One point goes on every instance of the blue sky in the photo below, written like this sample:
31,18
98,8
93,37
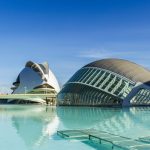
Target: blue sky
71,33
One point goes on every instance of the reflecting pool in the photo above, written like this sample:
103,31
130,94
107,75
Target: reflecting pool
34,127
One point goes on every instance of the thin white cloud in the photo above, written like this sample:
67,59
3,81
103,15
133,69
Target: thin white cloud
104,54
140,57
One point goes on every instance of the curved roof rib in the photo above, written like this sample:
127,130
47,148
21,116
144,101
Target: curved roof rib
37,68
45,67
45,72
125,68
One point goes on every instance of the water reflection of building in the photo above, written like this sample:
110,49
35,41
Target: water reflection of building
113,120
107,82
77,117
34,124
36,79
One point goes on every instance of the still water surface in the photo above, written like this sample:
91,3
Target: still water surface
34,127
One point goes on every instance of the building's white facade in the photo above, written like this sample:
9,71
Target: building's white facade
36,78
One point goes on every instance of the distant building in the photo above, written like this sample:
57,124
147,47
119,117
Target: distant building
107,82
36,79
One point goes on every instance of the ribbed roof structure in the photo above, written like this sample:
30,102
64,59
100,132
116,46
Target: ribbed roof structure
44,71
125,68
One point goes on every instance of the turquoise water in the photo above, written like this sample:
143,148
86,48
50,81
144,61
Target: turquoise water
33,127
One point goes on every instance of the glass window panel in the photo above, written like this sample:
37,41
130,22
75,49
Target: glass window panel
101,81
84,75
120,88
76,74
109,80
114,84
97,78
80,75
92,76
88,75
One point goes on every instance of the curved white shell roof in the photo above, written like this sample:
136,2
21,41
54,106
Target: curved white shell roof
53,81
40,72
46,74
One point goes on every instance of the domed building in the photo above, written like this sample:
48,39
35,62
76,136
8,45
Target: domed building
107,82
36,79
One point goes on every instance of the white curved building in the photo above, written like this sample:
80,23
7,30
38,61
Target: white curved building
36,79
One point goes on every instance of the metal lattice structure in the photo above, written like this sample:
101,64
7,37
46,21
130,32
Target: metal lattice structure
100,83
